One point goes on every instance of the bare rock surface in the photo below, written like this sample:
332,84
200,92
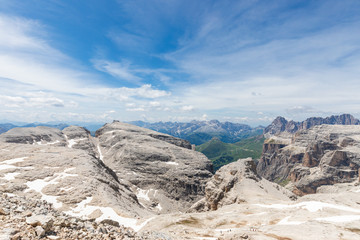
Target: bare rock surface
332,213
29,218
280,124
168,175
71,180
322,155
238,182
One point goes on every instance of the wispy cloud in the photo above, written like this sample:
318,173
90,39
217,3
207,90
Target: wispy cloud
119,70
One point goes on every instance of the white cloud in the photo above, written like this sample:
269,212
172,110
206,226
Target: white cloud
140,109
154,104
119,70
187,108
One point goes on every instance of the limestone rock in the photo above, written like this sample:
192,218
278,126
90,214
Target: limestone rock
168,175
280,124
238,182
321,155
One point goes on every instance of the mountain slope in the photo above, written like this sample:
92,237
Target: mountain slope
221,153
199,132
280,124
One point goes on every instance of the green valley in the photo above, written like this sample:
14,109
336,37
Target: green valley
221,153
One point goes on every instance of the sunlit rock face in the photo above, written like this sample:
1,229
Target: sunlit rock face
167,173
321,155
124,173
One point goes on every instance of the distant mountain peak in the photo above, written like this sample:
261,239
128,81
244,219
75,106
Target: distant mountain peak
280,124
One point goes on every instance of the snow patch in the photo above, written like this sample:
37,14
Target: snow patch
8,163
171,163
143,194
340,219
100,153
311,206
158,207
50,143
285,221
83,210
38,184
10,176
15,160
66,189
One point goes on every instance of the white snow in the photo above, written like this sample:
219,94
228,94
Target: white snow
171,163
158,207
66,189
5,166
8,163
83,210
255,214
10,176
339,219
15,160
38,184
100,153
311,206
143,194
285,221
71,143
50,143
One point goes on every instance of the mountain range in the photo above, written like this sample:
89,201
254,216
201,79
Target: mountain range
199,132
280,124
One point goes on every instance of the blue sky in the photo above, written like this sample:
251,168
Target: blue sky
178,60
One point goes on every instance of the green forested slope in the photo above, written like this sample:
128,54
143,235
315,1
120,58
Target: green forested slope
221,153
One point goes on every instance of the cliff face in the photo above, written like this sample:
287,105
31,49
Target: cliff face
324,154
164,168
280,124
239,183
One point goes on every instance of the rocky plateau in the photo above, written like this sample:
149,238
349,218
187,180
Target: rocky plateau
128,182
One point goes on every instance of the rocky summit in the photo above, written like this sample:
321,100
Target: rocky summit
168,175
322,155
280,124
125,174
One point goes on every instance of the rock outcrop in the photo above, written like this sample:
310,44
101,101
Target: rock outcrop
168,175
324,154
27,218
238,182
280,124
125,173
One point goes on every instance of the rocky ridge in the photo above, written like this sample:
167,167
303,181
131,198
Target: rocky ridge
150,172
280,124
239,183
168,175
322,155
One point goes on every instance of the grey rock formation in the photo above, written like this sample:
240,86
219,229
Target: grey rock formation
324,154
238,182
71,179
37,135
280,124
168,175
125,172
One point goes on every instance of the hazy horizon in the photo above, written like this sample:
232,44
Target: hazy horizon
236,61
